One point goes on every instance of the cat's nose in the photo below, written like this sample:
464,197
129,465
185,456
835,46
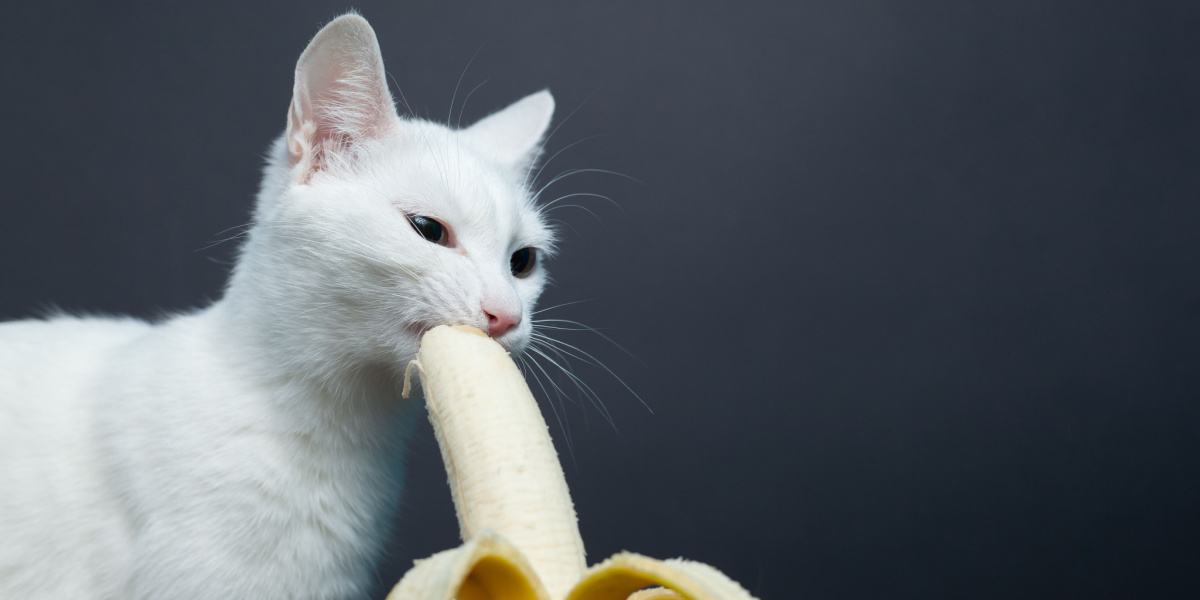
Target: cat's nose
500,321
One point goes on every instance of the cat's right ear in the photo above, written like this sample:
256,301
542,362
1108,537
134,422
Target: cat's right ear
340,96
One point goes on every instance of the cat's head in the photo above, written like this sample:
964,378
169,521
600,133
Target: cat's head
375,228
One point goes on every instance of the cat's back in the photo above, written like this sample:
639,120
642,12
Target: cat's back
41,359
48,369
52,497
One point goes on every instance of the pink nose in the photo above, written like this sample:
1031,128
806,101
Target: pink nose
500,322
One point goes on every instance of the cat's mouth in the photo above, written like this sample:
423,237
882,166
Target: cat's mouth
419,329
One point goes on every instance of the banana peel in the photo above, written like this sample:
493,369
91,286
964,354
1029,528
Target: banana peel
520,534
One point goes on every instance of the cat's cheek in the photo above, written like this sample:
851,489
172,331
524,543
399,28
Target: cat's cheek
405,349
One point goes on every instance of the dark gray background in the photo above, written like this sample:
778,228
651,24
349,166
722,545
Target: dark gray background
912,286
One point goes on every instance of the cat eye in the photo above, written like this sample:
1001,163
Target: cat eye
522,261
430,229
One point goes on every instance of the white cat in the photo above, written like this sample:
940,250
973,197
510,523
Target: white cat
253,449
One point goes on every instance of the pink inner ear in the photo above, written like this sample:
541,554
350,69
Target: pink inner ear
299,135
344,114
340,95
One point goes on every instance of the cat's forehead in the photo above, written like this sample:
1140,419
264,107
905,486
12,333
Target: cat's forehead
430,168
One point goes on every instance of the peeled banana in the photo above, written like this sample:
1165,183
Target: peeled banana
521,538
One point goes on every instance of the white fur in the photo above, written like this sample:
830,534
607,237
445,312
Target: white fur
253,449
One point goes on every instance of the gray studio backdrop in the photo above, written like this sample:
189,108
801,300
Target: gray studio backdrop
910,286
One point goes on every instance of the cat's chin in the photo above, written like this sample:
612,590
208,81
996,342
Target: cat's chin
515,346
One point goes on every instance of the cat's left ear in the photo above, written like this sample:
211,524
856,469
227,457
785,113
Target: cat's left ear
340,96
513,135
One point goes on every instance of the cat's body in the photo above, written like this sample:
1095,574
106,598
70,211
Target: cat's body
253,449
166,466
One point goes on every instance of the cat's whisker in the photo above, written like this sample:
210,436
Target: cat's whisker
557,306
580,207
244,229
580,384
399,90
246,225
216,243
573,172
584,327
540,348
588,357
562,394
540,326
559,418
550,204
463,108
458,84
538,342
557,153
550,379
550,136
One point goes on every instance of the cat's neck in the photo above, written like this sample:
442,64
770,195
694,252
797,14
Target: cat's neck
268,346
